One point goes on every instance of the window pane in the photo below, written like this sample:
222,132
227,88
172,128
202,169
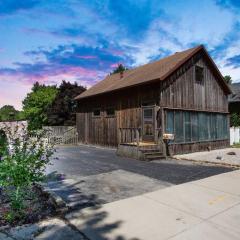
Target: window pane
208,122
170,122
110,112
202,118
190,126
187,126
195,134
225,126
220,126
199,74
96,112
148,113
179,134
213,126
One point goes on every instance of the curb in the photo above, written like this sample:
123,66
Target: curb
58,202
237,166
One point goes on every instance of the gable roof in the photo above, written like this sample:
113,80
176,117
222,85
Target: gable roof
235,96
147,73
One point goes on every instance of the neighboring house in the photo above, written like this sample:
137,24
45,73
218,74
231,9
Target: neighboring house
183,94
234,98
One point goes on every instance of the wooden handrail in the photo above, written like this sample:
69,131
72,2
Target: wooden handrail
129,135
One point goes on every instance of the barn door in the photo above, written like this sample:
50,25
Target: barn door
148,123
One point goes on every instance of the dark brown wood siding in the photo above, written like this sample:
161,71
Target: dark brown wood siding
103,130
185,93
179,91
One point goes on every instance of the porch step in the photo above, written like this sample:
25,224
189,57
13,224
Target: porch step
153,154
150,150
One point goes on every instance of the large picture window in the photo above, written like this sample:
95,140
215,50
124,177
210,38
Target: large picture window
190,126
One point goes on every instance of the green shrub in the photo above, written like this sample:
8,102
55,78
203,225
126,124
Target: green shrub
23,165
235,120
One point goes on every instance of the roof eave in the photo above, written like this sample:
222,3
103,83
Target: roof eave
171,71
150,81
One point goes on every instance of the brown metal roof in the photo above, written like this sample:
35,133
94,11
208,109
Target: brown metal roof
158,70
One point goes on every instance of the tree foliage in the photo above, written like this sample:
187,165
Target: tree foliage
235,120
63,108
228,79
36,103
120,68
9,113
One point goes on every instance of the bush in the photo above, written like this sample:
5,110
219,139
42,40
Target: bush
235,120
23,164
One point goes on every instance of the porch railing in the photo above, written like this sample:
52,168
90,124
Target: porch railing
130,135
134,136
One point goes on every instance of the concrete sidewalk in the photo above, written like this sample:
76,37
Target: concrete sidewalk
206,209
224,157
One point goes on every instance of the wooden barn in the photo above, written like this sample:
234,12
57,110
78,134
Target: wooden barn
183,97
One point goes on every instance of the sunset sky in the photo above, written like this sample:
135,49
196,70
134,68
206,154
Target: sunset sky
82,41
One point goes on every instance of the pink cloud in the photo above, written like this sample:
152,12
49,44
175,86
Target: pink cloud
114,65
56,75
14,88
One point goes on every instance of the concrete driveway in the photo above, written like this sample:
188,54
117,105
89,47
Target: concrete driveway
206,209
85,176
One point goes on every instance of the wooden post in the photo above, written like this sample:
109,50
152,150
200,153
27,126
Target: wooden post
77,138
137,136
156,124
120,135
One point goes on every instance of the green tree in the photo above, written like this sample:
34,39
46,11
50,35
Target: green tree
228,79
9,113
120,68
36,103
235,120
62,110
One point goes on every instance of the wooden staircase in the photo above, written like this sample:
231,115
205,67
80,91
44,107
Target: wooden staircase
151,153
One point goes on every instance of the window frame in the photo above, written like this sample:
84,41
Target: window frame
110,115
195,117
96,116
201,81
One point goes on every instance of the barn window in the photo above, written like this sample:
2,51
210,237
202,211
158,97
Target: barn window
190,126
110,112
187,126
170,122
96,112
199,74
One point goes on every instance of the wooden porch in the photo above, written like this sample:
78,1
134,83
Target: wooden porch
131,145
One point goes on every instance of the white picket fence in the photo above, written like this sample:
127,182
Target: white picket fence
62,135
234,135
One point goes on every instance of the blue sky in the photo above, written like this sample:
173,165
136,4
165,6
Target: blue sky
78,40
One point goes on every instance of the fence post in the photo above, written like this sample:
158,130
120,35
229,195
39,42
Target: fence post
236,135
